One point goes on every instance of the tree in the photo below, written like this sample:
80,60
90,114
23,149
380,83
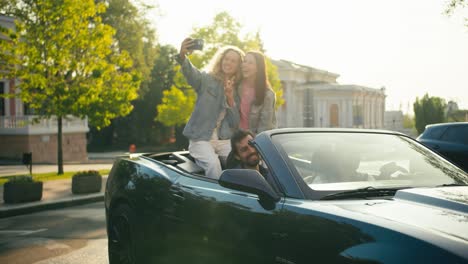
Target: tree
428,110
161,79
135,36
67,64
224,30
455,5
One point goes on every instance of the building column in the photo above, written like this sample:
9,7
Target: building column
342,118
373,109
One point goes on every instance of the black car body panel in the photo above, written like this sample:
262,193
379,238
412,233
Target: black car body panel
180,216
448,139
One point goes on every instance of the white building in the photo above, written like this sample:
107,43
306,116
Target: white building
313,98
20,132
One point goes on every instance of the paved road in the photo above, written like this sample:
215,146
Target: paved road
67,236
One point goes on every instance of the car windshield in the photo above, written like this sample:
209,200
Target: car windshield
347,161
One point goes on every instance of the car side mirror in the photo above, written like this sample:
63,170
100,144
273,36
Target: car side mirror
250,181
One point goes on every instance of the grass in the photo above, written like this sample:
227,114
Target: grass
51,176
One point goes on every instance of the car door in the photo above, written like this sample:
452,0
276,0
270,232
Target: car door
219,225
311,233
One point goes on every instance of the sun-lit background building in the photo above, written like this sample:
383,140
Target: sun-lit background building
314,98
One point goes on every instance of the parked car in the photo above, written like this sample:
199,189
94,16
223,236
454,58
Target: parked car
450,140
331,196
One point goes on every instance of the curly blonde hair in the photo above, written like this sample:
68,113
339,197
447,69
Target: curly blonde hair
214,66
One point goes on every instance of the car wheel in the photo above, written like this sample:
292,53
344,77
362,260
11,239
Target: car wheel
123,236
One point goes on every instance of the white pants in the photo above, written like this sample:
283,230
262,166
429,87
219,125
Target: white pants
206,155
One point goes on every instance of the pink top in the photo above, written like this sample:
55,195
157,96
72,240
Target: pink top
247,98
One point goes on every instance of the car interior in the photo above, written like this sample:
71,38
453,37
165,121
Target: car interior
183,161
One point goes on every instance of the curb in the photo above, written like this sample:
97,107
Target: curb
42,206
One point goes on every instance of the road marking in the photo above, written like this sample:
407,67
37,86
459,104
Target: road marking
22,232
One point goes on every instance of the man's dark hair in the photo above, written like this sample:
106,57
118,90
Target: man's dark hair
238,136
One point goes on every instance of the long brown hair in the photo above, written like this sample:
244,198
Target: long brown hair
261,80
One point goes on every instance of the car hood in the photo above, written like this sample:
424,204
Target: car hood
439,211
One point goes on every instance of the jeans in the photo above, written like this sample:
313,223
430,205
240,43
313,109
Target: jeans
206,155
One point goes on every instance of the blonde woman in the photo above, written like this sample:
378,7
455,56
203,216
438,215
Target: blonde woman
216,114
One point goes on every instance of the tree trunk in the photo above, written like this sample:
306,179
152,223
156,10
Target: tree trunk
59,146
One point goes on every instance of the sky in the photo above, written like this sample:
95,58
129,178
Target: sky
408,47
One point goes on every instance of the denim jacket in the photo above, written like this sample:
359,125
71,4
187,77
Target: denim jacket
262,117
209,104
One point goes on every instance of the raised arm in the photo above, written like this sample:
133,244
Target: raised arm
193,75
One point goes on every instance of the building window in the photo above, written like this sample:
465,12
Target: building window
2,100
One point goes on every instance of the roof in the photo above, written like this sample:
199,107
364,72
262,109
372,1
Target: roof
285,64
346,87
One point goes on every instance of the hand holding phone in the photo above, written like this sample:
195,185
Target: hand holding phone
197,44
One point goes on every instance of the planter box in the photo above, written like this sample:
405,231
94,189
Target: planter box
18,192
86,184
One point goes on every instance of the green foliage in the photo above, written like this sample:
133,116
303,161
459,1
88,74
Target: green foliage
20,179
275,82
50,176
178,102
140,126
134,35
176,106
67,63
428,110
65,60
86,174
454,5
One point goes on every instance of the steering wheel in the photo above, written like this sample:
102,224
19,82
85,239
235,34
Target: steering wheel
388,169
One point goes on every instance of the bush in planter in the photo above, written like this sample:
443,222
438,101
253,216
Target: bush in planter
86,182
22,188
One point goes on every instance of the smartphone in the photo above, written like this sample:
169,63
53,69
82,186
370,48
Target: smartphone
197,44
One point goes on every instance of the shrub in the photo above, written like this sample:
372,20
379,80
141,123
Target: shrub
21,178
22,188
86,173
86,182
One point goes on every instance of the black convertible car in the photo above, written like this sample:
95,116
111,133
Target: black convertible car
330,196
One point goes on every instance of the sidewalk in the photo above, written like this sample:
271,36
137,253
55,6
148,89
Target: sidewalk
55,193
17,169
